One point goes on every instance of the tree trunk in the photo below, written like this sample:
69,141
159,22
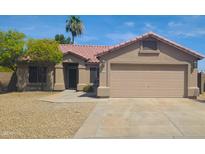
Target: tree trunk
72,39
12,83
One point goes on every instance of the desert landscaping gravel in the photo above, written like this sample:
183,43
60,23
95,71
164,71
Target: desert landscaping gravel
22,115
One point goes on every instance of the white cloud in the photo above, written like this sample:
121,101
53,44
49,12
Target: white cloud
189,33
149,27
129,24
173,24
119,37
185,29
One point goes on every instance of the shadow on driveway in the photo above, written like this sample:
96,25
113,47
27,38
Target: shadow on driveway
71,96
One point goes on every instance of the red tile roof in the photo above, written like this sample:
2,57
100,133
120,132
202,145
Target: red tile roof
91,52
87,52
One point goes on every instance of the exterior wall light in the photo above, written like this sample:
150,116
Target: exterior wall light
102,64
195,64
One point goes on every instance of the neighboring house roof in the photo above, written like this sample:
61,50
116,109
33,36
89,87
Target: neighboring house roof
156,36
87,52
91,52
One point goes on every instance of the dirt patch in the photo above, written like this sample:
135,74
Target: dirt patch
22,115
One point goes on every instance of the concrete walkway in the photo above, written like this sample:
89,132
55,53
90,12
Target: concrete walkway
71,96
145,118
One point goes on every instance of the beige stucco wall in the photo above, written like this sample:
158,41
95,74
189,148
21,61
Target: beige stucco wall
84,77
23,78
132,55
59,77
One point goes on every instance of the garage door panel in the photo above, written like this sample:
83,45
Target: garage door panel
154,81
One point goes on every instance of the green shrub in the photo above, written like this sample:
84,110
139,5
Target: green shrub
44,50
88,88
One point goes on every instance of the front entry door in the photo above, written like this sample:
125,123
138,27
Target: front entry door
72,78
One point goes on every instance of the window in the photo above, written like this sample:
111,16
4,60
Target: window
37,74
94,74
149,45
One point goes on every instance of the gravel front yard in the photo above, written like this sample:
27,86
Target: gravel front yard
22,115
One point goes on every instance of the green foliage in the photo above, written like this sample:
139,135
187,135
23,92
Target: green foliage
4,69
60,38
44,50
88,88
11,48
74,25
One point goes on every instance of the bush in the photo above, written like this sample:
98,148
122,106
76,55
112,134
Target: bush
88,88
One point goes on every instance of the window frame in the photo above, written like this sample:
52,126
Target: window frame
150,42
149,51
41,75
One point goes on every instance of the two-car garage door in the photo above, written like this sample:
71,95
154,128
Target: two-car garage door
129,80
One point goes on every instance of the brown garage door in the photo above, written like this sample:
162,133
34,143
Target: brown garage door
128,80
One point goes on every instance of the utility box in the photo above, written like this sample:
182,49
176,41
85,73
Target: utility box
201,82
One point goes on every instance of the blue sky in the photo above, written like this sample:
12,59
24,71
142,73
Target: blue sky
108,30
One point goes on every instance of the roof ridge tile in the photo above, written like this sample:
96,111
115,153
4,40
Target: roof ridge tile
86,45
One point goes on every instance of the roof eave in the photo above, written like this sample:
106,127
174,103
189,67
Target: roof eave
72,53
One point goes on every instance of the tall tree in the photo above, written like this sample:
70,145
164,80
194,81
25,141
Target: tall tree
60,38
43,50
11,48
74,25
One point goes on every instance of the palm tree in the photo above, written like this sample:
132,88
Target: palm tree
75,26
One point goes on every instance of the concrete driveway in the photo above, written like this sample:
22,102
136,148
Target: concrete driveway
145,118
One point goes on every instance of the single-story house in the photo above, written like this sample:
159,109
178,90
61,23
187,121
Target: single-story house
146,66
